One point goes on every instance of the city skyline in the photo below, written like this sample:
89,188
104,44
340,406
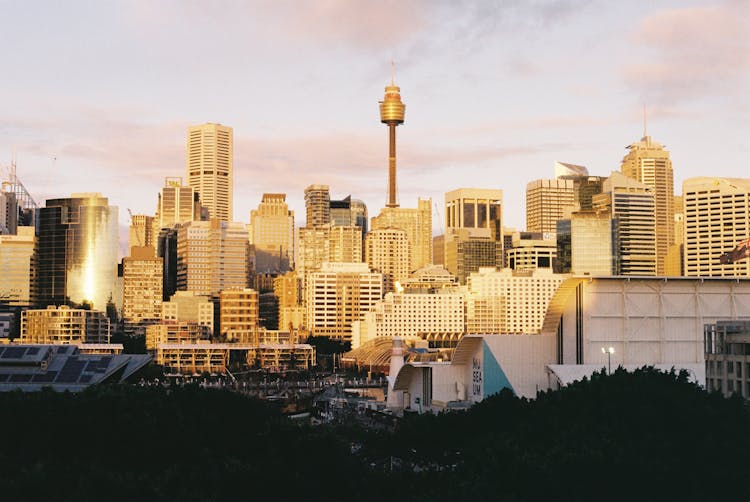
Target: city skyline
496,93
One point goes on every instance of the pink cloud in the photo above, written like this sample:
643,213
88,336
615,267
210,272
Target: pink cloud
692,50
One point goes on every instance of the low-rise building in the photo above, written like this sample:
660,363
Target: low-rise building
64,325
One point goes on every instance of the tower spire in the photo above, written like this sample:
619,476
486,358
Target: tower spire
393,72
644,120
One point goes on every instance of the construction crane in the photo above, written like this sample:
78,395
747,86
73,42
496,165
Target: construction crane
137,233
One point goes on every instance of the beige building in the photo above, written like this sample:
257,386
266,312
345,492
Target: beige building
212,256
189,306
142,231
417,223
16,253
141,289
337,295
473,234
177,204
271,232
387,251
288,290
717,221
547,201
674,256
413,315
632,205
649,163
329,243
64,325
317,206
177,332
238,314
529,253
209,168
504,301
586,243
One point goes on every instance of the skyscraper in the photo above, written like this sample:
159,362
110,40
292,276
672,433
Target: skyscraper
209,168
649,163
717,222
473,236
272,234
317,206
212,256
387,252
141,289
417,223
76,251
632,204
392,114
546,202
16,252
177,204
142,231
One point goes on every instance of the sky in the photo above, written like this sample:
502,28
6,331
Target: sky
97,96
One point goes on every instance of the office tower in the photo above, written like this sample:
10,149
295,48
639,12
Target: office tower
209,168
16,253
546,202
505,301
438,250
649,163
585,189
531,250
142,289
64,325
272,235
717,227
417,223
187,306
345,244
473,236
317,206
337,295
392,114
586,243
238,315
8,213
632,204
167,251
76,251
212,256
438,315
177,204
387,252
142,231
288,290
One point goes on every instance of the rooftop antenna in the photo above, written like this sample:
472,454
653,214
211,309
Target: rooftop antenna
644,120
393,71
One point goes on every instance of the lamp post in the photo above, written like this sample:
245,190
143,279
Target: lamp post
609,351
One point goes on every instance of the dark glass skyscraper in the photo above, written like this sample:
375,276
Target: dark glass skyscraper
76,251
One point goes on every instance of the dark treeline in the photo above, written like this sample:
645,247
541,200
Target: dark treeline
638,436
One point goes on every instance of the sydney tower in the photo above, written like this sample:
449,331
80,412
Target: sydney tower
392,113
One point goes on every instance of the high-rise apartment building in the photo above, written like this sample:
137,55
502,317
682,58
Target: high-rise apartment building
331,243
142,229
177,204
187,306
649,163
16,253
209,168
141,289
717,222
238,314
417,223
547,202
64,325
387,251
317,206
337,295
272,235
632,204
76,251
212,256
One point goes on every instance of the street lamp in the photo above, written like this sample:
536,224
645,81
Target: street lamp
609,352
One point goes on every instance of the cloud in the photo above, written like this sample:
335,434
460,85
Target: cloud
692,51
